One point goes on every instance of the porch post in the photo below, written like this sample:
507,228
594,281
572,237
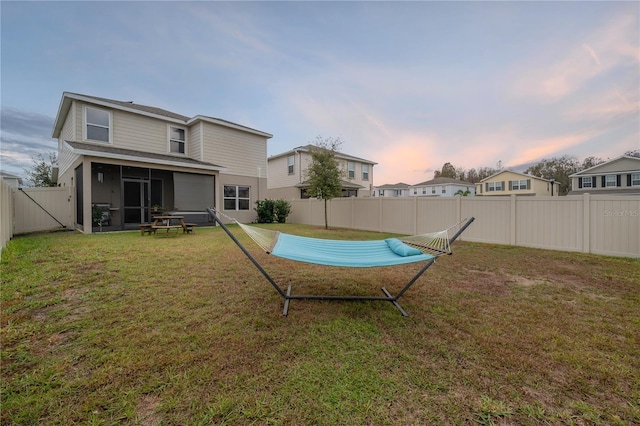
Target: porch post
87,226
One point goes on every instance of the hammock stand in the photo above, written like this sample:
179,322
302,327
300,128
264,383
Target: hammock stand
287,296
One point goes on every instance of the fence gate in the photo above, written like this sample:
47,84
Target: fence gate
42,209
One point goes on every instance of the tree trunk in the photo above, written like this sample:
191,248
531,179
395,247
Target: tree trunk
326,220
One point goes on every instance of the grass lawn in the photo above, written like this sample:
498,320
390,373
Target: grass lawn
183,330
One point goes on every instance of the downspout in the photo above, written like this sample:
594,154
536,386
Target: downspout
295,151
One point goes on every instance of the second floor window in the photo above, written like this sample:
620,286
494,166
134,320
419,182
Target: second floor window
635,179
236,197
177,140
585,182
98,124
610,180
290,164
351,167
494,186
519,184
365,172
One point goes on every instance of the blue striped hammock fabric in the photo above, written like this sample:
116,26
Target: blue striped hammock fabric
353,254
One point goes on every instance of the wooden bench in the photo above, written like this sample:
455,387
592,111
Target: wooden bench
167,227
146,227
189,228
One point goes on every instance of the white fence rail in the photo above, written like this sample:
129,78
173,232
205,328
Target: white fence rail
600,224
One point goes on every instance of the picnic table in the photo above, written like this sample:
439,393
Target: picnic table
167,222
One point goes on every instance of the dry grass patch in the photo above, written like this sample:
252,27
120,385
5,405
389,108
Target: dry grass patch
119,328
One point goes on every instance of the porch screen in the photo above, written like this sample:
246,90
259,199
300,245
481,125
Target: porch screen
192,192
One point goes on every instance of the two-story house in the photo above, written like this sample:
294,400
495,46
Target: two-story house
288,174
442,187
133,159
507,182
618,176
399,189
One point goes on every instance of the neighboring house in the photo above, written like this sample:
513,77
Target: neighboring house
11,180
391,190
513,183
287,174
618,176
441,187
131,159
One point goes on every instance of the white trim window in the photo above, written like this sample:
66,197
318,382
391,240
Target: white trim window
237,197
635,179
517,185
97,124
610,181
494,186
586,182
291,161
177,140
365,172
351,168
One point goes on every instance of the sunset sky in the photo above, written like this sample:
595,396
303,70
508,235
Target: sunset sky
408,85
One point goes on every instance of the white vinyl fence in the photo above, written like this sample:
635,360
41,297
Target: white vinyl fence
26,210
600,224
6,213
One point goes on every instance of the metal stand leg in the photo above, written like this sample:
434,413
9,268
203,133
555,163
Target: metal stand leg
285,312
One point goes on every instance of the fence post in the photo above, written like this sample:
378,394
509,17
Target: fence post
353,213
512,224
381,219
586,223
415,216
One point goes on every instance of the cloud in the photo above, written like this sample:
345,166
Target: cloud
593,54
613,46
549,147
605,106
24,135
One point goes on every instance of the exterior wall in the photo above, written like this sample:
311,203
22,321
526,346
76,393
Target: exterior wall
289,193
258,191
280,178
436,190
621,167
195,139
538,186
391,192
69,132
357,179
599,224
242,153
134,131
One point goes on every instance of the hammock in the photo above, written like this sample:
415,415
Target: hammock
354,254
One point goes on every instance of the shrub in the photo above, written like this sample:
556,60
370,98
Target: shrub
281,209
265,211
270,211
